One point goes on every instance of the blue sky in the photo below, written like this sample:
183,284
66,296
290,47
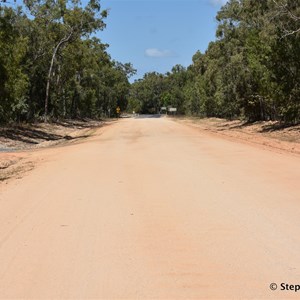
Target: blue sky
155,35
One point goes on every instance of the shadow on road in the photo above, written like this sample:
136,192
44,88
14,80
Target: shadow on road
145,116
29,135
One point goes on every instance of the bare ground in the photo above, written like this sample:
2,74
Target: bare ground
270,134
17,141
150,208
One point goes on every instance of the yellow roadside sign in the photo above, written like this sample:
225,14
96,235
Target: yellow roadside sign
118,110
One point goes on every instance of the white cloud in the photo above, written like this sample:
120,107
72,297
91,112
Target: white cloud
154,52
218,2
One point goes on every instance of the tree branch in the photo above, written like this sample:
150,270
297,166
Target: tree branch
65,39
284,10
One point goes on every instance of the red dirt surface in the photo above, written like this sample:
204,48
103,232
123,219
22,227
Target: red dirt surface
152,208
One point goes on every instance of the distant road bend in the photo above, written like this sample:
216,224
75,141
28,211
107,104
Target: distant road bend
151,208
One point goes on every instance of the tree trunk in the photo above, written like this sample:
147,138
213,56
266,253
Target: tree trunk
62,41
48,82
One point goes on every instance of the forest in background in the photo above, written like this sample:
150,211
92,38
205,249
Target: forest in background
53,67
251,71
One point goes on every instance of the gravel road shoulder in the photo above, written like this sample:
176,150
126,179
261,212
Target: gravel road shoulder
271,135
17,142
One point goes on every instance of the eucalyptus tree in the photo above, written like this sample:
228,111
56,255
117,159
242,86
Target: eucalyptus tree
63,22
146,94
285,16
287,11
13,80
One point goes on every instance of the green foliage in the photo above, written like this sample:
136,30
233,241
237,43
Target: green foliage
13,80
146,94
50,64
252,70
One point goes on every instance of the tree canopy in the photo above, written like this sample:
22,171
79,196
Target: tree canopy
52,66
251,70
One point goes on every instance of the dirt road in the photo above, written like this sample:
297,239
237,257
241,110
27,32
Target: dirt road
151,208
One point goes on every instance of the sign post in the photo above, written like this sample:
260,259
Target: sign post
163,110
172,110
118,111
